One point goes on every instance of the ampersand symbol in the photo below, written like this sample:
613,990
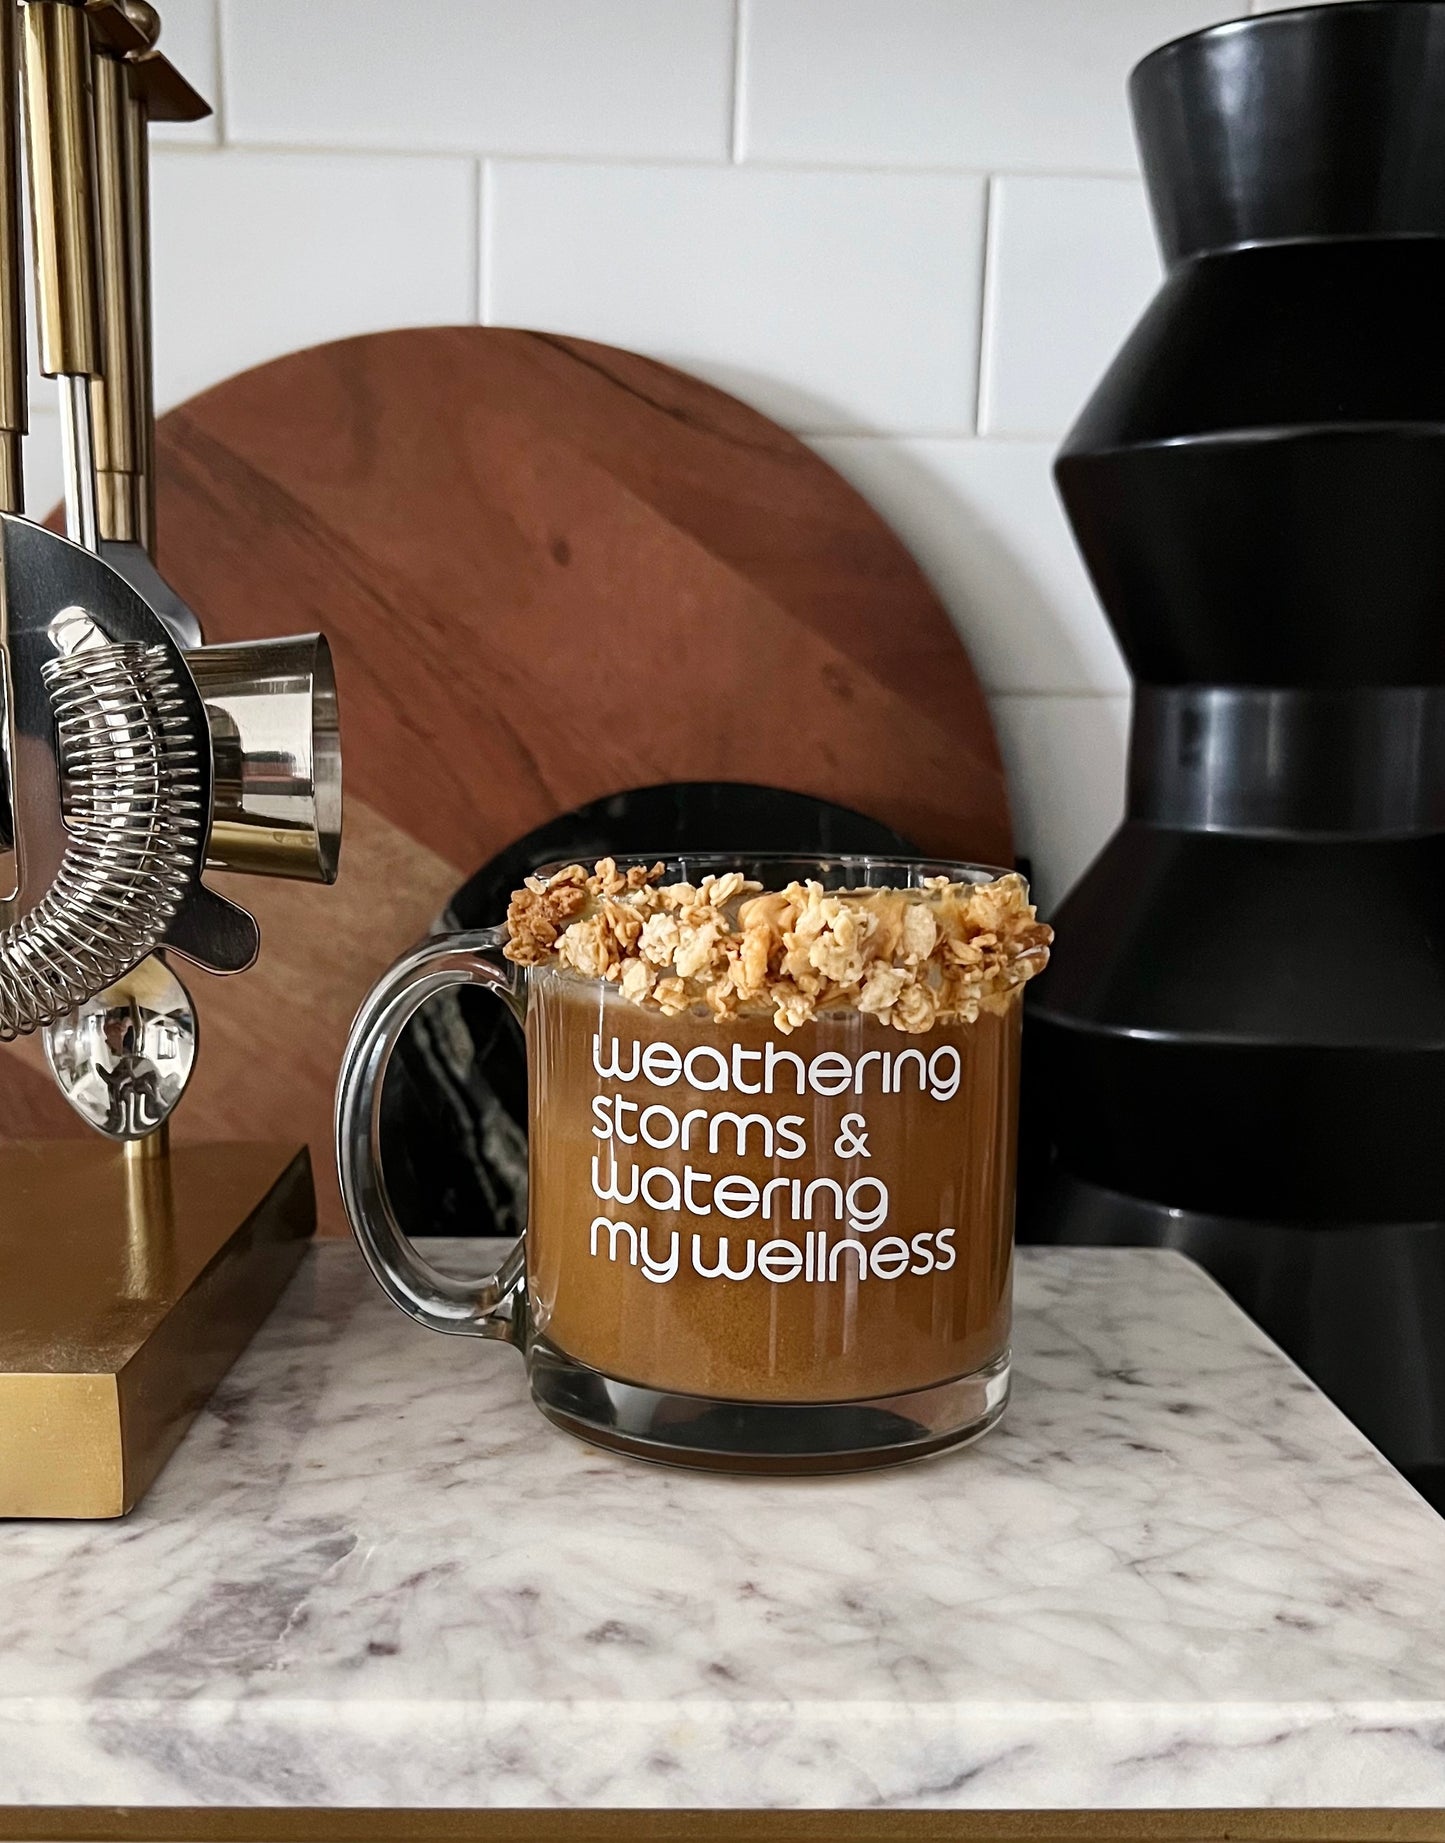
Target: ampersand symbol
852,1141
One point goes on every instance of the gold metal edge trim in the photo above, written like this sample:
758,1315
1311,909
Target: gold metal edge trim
198,1248
185,1824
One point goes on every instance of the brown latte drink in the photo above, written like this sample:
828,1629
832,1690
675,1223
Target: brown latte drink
772,1111
773,1130
721,1209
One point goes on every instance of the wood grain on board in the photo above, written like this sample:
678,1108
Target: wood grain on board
550,570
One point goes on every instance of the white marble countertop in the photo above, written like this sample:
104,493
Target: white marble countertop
373,1576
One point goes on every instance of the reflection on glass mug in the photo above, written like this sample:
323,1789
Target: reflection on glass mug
773,1107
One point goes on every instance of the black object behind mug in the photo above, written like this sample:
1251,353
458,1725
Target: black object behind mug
454,1110
1239,1049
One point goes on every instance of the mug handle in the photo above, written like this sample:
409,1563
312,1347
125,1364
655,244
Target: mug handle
494,1304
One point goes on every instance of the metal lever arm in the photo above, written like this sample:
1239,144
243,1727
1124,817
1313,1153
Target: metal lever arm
61,147
128,77
120,396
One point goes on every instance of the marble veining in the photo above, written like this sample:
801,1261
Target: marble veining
374,1576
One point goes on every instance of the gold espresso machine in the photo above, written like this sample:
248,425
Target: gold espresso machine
132,759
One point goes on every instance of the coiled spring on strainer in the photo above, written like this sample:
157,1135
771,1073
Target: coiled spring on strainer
132,795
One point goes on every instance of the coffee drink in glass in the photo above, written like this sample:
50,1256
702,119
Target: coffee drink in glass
773,1109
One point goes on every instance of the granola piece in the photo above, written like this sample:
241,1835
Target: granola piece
659,939
587,948
840,952
754,957
672,996
626,926
915,1009
539,911
792,1006
918,931
964,953
881,988
718,892
697,944
772,910
721,998
637,981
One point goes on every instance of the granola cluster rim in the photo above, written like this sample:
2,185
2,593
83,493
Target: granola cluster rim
910,957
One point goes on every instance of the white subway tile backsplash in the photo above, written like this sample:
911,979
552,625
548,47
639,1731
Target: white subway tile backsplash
1065,759
597,78
188,38
1023,84
258,254
1071,266
830,300
834,276
983,519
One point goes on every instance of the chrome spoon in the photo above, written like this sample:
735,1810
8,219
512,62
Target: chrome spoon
123,1059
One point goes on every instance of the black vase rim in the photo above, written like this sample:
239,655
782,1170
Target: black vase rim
1280,20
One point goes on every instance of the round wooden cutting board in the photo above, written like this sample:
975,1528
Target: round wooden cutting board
550,571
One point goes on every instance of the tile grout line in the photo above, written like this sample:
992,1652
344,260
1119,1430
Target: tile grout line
986,306
382,150
485,202
901,169
218,106
737,148
996,438
985,266
480,212
293,150
682,163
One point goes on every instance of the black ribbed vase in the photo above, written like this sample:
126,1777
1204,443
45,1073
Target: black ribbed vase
1239,1049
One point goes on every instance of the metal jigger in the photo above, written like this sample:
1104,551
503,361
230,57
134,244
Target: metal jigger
132,759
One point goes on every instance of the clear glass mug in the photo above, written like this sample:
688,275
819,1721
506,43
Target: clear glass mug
744,1250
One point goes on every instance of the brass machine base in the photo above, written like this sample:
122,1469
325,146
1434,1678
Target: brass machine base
129,1284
